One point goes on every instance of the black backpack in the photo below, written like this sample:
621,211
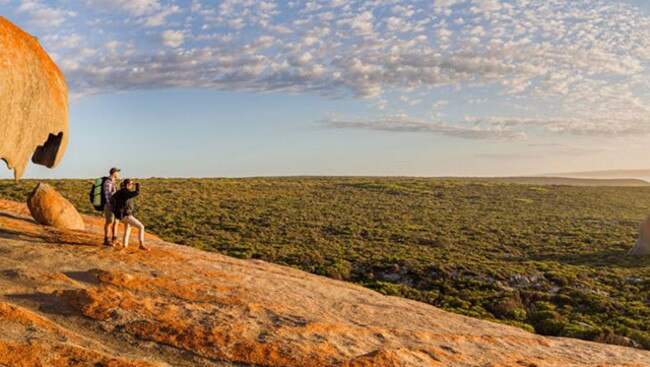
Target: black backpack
97,194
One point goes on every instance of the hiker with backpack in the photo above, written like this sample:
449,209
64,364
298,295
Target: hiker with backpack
100,196
123,204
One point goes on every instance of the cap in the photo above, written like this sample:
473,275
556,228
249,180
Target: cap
114,169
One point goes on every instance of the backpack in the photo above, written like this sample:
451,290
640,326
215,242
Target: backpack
97,194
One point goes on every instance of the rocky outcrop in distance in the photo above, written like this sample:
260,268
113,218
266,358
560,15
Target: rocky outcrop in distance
642,246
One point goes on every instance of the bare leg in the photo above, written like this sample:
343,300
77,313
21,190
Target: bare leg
115,228
109,220
107,226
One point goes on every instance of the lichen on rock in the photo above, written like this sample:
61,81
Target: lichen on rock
33,102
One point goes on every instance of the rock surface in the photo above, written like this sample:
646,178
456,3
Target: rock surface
642,246
33,102
65,300
48,207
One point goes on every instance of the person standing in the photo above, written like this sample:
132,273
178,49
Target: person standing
124,210
109,187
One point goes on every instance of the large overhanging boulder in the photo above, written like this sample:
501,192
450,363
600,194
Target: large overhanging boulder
33,102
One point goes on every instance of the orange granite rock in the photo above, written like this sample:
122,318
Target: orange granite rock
65,300
48,207
33,102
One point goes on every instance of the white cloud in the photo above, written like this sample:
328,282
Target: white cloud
159,18
172,38
589,59
405,123
584,125
41,15
133,7
59,42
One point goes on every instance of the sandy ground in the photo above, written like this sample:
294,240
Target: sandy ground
67,301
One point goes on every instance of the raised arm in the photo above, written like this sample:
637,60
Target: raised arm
132,194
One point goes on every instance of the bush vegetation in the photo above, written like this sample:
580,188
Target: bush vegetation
550,259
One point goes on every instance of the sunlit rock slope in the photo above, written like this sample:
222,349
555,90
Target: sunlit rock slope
67,301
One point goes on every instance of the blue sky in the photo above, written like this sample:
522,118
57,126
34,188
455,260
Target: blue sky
359,87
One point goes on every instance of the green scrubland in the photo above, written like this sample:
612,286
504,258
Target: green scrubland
547,258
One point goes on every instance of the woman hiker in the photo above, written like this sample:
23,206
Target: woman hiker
123,204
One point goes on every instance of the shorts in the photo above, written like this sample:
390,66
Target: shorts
108,214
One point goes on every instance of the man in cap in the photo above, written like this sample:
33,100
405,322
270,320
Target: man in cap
109,187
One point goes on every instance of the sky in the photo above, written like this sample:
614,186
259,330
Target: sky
359,87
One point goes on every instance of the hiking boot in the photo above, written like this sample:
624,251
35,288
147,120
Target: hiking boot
114,241
107,242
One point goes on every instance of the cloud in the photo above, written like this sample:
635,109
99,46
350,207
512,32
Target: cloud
159,18
41,15
404,123
589,126
133,7
590,60
172,38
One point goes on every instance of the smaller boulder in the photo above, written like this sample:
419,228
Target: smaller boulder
642,246
48,207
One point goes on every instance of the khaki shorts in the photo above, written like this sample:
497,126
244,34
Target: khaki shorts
108,214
